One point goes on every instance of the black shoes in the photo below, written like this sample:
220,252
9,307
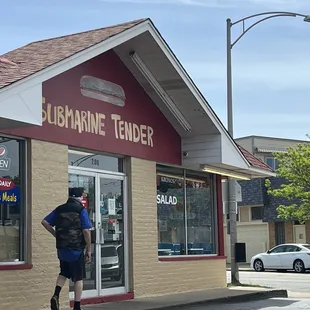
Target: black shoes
54,303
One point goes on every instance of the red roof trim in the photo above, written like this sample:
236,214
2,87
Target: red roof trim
254,161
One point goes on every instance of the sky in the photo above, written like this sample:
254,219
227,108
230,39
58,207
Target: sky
271,63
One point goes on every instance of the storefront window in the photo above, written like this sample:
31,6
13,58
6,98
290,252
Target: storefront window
12,199
94,161
200,215
170,208
186,217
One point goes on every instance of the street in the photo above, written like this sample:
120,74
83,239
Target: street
269,304
290,281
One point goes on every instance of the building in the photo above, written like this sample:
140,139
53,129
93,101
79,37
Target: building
121,119
259,226
251,228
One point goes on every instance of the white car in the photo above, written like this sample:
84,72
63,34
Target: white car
290,256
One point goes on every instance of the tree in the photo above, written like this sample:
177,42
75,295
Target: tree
294,168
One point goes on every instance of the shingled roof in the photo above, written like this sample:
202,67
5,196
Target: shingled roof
254,161
34,57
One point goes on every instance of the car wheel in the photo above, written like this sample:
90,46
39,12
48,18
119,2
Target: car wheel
258,265
299,266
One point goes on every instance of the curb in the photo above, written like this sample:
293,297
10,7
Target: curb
242,269
230,299
298,295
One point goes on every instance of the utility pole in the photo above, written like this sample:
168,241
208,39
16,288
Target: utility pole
232,204
231,199
231,192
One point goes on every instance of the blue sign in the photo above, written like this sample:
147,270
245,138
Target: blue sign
102,206
11,196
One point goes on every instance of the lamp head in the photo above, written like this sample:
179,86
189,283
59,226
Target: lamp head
307,19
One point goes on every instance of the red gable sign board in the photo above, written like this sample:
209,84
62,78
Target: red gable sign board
99,105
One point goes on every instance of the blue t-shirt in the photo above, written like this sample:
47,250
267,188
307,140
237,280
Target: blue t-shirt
67,254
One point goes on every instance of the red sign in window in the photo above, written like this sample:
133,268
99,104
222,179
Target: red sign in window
84,202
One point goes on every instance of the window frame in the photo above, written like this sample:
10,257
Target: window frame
279,230
86,155
275,163
262,211
181,173
25,185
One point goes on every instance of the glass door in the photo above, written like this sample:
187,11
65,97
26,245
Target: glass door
111,261
88,183
105,198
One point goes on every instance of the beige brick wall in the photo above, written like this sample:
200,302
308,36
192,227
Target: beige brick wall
307,228
272,234
31,289
289,231
150,276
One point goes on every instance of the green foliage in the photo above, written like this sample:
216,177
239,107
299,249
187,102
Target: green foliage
294,167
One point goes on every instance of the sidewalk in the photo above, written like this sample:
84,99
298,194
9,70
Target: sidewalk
222,295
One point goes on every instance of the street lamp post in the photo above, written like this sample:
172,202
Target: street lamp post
232,204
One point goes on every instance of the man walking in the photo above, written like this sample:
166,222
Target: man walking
72,233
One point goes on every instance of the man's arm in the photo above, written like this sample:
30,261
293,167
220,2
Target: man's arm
48,227
48,222
86,226
87,238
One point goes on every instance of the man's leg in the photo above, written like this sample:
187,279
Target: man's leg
78,276
78,290
60,282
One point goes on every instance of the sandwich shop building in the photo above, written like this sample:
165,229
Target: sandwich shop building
122,120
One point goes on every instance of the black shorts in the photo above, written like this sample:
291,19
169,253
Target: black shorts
73,270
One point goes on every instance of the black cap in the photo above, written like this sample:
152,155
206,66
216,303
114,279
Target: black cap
76,192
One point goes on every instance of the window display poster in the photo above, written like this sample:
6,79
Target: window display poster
9,192
111,206
84,201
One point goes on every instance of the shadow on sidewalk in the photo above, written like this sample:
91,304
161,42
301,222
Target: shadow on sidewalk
262,304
